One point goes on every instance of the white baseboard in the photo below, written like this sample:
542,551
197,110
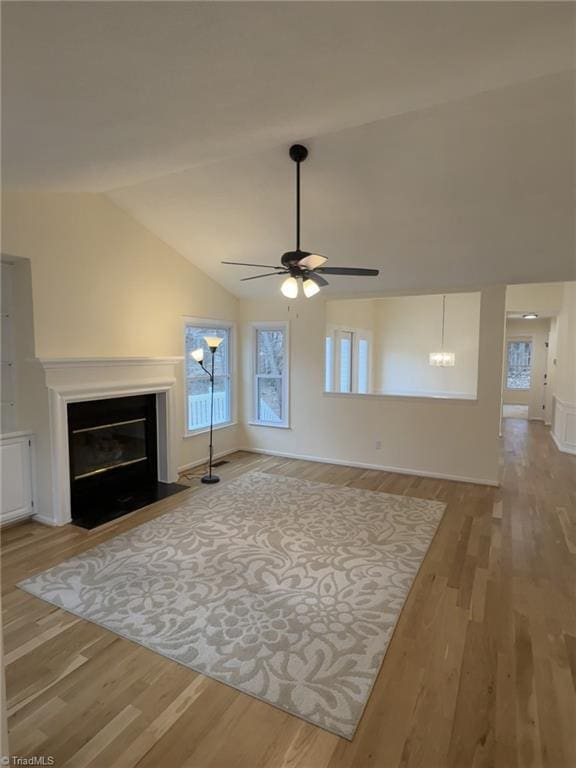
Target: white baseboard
49,521
564,447
14,517
217,456
380,467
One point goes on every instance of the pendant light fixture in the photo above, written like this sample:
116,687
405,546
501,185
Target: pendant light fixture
442,359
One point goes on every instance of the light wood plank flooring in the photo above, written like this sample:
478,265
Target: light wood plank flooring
481,670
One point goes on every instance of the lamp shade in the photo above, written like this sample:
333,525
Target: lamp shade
198,354
290,288
310,288
213,342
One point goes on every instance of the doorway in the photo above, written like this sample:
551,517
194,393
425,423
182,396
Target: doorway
526,369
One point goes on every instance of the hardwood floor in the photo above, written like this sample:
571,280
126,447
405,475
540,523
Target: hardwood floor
481,670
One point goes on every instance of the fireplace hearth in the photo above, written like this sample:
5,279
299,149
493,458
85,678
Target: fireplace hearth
113,458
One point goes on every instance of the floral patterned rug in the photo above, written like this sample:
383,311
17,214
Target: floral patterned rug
285,589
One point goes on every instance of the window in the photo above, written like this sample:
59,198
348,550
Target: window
519,365
329,364
198,382
345,367
271,375
363,366
347,360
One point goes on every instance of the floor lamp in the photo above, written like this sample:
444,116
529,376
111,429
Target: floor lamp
213,342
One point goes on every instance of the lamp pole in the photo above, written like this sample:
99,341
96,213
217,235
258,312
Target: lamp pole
210,478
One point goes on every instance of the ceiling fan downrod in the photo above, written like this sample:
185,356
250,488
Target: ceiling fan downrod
298,153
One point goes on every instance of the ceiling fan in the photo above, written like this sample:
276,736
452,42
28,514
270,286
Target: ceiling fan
298,264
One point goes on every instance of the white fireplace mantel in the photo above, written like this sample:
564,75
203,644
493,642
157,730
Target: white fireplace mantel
80,379
55,363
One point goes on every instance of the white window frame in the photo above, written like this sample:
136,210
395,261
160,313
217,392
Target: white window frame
209,322
273,326
358,334
329,368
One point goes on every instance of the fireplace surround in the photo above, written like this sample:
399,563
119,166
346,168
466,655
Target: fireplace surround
79,380
113,451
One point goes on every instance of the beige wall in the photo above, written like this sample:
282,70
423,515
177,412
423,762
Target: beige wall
410,327
103,286
447,438
542,298
354,313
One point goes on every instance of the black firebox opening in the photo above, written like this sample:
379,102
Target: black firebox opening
113,458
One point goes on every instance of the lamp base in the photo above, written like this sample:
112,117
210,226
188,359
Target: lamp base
210,479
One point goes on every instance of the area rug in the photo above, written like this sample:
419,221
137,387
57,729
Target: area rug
285,589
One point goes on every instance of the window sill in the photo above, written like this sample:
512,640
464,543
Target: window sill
268,424
446,398
205,430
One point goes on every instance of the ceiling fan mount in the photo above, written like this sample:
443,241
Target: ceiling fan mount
299,264
298,153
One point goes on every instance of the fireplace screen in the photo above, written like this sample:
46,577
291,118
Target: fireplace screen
100,449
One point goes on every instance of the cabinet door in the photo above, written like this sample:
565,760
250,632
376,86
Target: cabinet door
15,455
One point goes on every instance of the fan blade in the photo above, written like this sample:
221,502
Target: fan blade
348,271
243,264
312,261
267,274
318,279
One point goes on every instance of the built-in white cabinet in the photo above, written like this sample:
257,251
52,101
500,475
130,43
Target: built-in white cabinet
16,465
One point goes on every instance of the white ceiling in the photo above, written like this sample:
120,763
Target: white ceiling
441,133
474,192
101,95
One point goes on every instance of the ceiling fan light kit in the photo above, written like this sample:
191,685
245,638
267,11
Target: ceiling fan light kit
298,264
310,288
289,288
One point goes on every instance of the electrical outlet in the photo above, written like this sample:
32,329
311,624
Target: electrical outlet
378,445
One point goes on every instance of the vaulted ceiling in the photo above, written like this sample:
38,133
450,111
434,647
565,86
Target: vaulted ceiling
441,134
